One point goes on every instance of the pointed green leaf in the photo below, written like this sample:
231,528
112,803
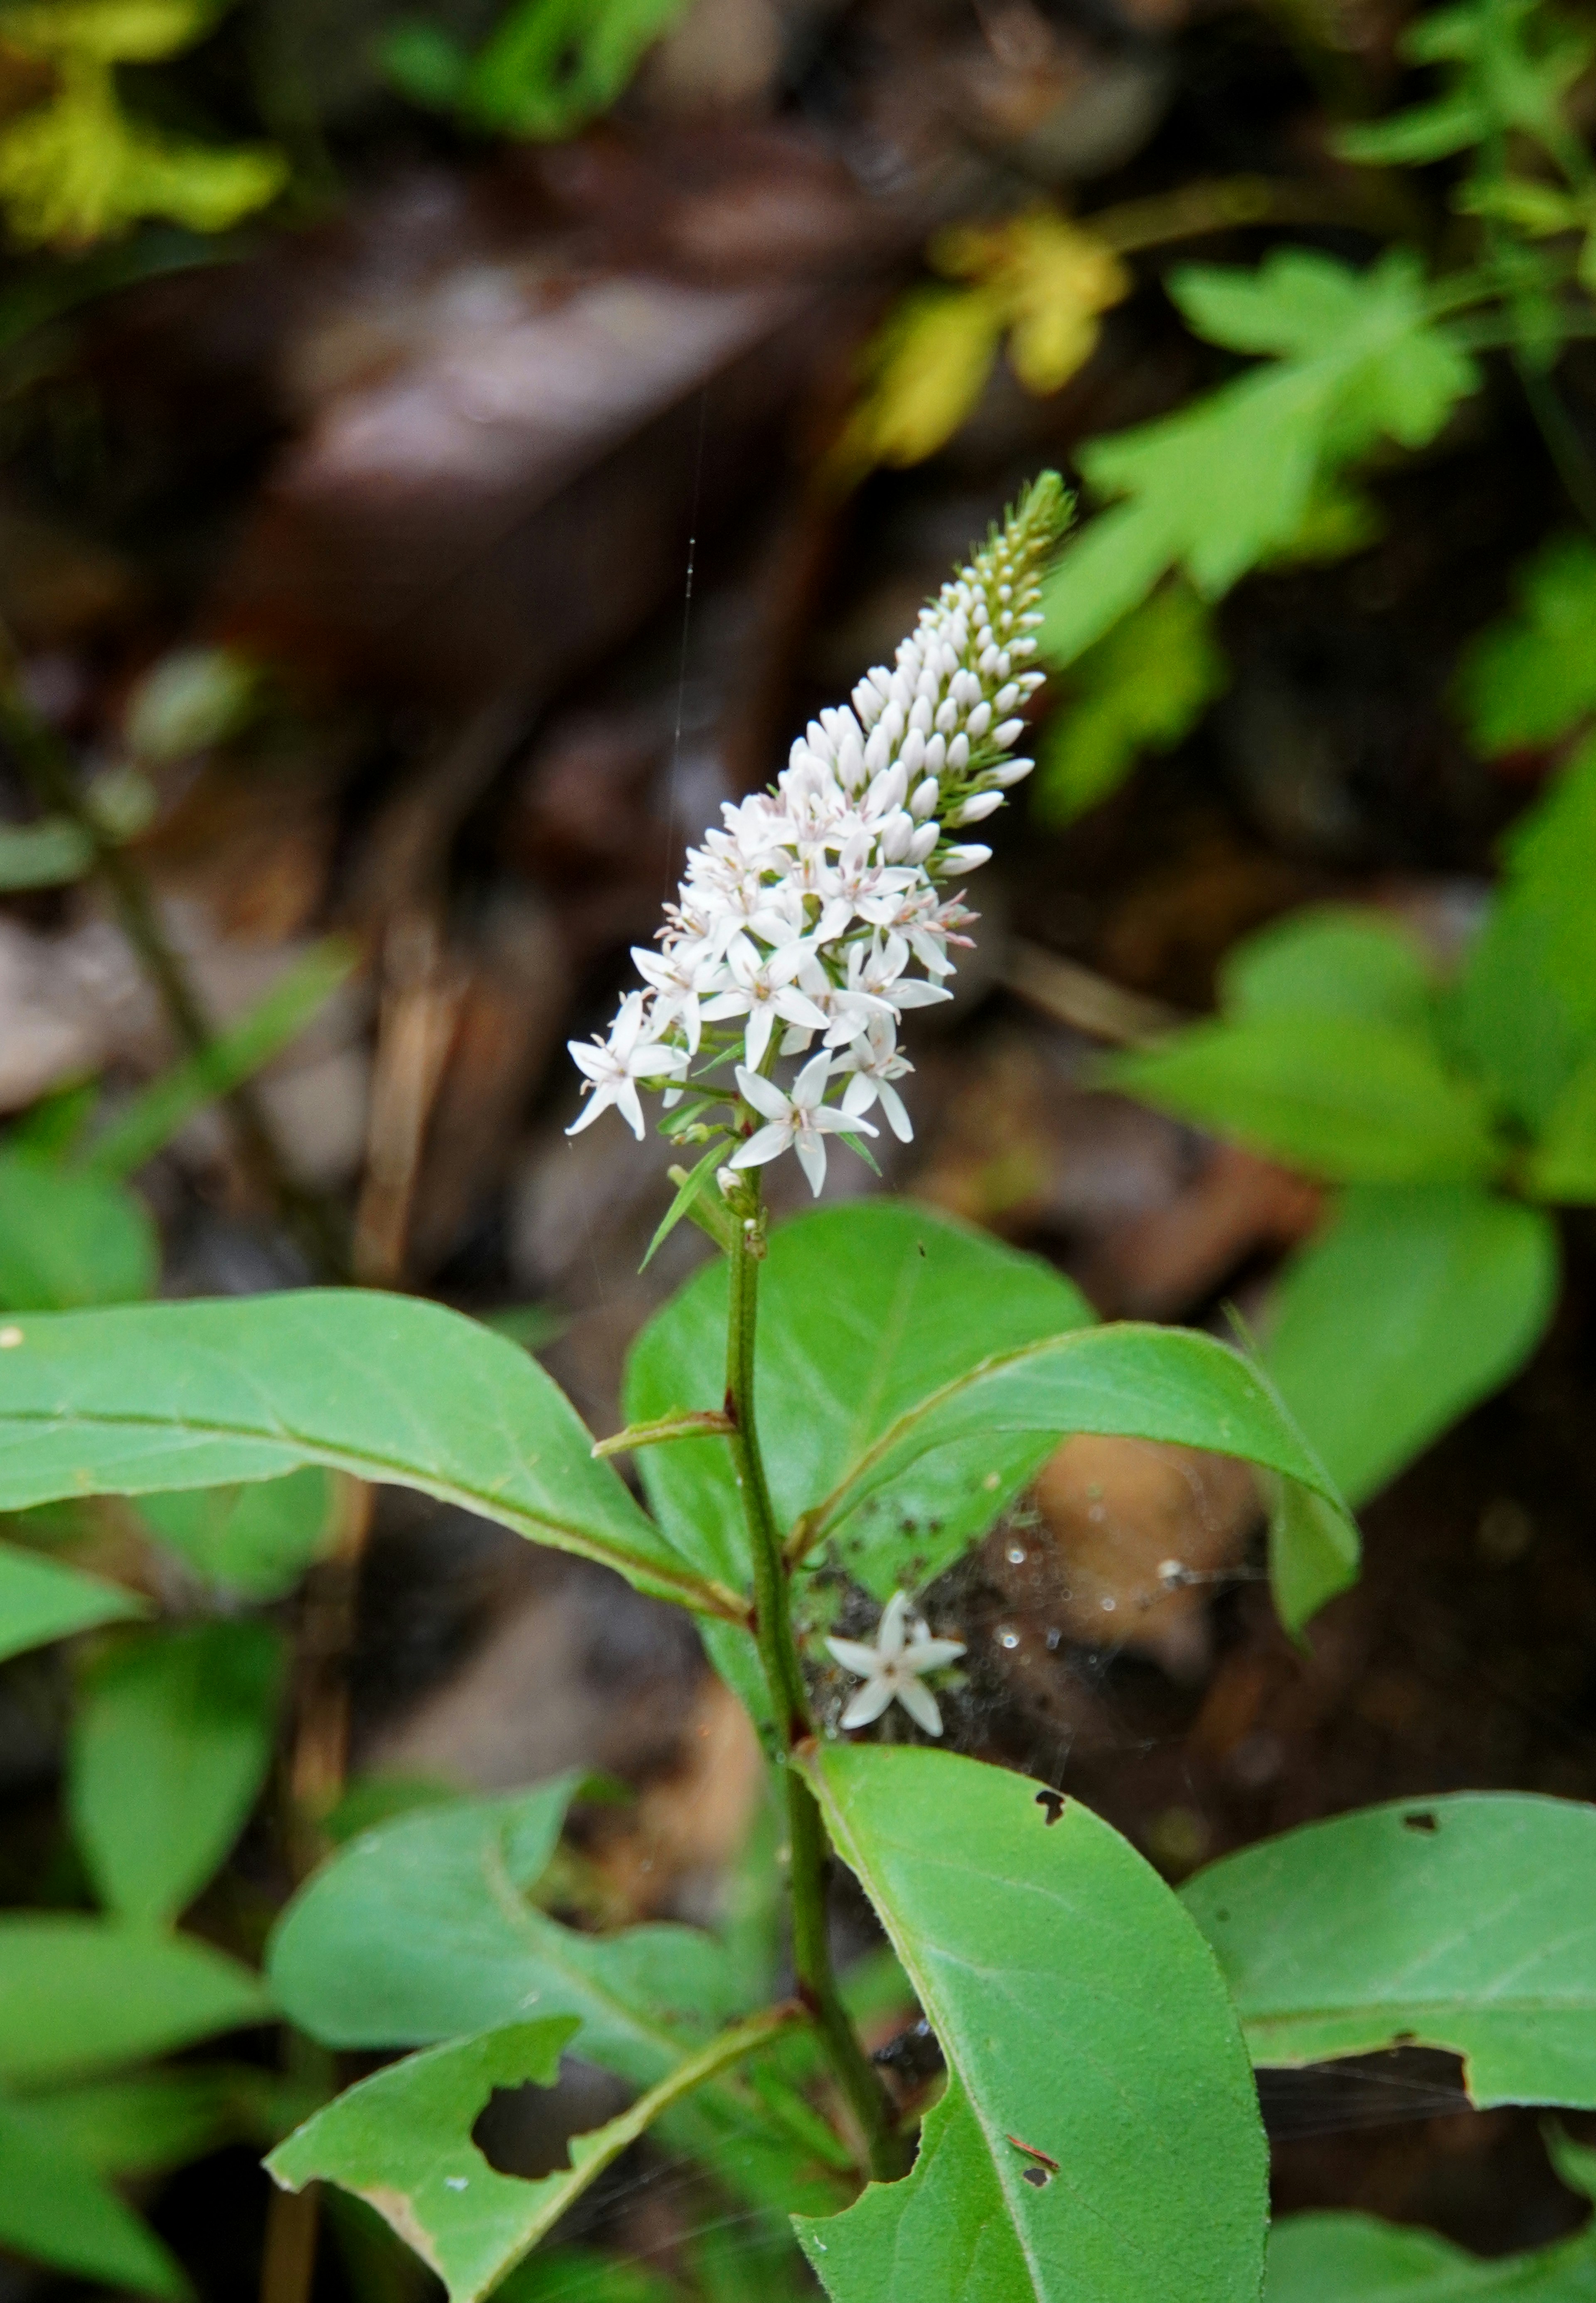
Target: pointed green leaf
143,2123
1353,2258
1330,959
170,1746
401,2140
422,1929
56,2209
1532,678
1467,1923
1563,1165
1412,1302
164,1395
1100,2134
41,1601
1142,688
256,1540
1348,1098
80,1995
1525,1009
68,1239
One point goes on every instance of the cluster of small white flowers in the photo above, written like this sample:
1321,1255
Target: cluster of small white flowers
802,918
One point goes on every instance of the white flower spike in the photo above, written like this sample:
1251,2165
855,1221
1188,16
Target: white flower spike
805,909
892,1669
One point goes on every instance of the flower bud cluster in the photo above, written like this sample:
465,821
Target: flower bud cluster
805,914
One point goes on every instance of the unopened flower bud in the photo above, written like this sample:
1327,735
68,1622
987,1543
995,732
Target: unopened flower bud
923,843
926,795
978,808
958,753
967,859
1006,698
1012,772
1010,733
978,722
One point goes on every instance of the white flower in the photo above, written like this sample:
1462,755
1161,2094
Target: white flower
875,1063
806,907
763,989
892,1669
800,1122
614,1066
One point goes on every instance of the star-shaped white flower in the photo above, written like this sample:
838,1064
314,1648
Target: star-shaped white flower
892,1669
632,1052
765,991
800,1122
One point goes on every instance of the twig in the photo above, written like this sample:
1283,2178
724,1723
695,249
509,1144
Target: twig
420,1010
49,766
1087,1002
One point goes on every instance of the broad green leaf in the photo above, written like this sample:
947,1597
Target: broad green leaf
256,1540
170,1746
1563,1165
401,2140
79,1995
1142,688
1353,2258
1525,1009
1412,1302
140,1400
156,1113
1467,1923
1351,1099
54,2207
41,1601
1099,2134
422,1929
68,1240
1530,678
863,1310
1330,959
1229,481
143,2123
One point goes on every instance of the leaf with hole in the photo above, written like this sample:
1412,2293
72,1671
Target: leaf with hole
1467,1922
170,1746
424,1928
140,1400
1100,2133
403,2141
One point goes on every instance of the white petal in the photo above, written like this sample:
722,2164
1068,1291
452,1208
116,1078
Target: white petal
890,1630
870,1702
810,1084
630,1109
858,1095
759,1149
811,1151
920,1704
892,1104
762,1022
924,1653
763,1094
856,1656
596,1103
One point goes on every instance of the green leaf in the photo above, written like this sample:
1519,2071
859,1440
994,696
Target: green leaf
1142,687
1525,1010
156,1113
1353,2258
40,1601
422,1929
581,2275
401,2140
68,1240
1330,959
81,1995
170,1746
548,67
256,1540
1089,2045
1230,480
50,854
1563,1164
1467,1923
137,1401
56,2209
1532,678
1314,1552
142,2124
1348,1098
1411,1304
863,1310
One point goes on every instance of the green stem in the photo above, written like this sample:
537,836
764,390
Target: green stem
808,1855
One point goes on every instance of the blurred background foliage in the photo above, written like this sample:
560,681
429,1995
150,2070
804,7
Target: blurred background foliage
444,452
